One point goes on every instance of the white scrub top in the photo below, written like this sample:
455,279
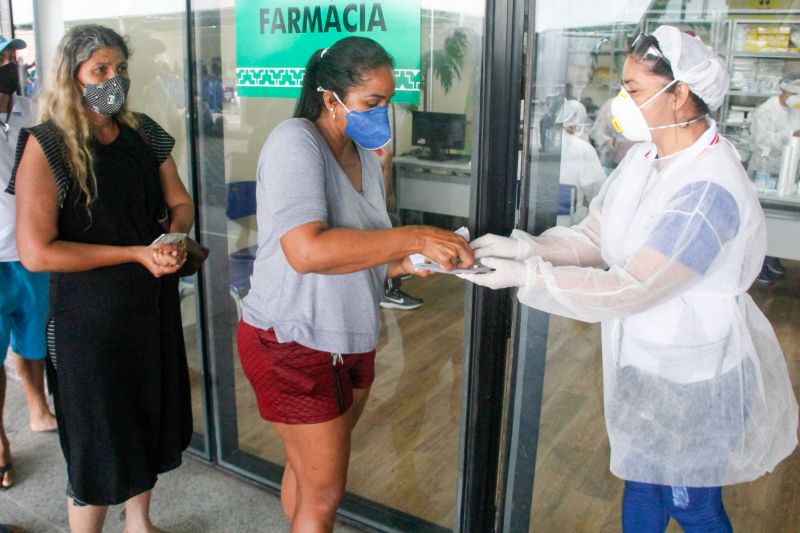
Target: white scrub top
696,388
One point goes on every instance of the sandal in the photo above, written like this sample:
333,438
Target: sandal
5,472
8,528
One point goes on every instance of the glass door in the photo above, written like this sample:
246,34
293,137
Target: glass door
556,462
413,454
156,33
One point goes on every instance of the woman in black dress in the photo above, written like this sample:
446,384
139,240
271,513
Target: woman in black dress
92,183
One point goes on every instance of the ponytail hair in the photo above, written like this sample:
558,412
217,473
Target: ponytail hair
339,68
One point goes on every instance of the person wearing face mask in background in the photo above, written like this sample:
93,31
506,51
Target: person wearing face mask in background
580,165
23,294
773,124
696,389
549,129
310,322
93,184
775,121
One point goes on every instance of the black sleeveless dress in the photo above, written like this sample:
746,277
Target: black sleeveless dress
116,355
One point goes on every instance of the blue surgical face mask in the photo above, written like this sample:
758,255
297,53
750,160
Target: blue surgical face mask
370,128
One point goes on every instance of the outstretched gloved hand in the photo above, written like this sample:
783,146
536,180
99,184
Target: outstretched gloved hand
507,272
491,245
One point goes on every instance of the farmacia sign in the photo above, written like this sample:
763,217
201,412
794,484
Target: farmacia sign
275,39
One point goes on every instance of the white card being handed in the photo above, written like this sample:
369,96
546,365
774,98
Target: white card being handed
421,262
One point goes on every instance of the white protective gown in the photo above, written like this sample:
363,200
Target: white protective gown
696,387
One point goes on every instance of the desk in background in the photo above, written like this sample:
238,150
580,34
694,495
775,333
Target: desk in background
782,214
441,187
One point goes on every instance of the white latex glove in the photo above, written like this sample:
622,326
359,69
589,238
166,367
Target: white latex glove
507,273
491,245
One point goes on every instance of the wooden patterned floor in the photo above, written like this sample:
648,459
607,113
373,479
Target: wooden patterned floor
574,491
405,447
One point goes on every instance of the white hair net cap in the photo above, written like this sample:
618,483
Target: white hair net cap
694,63
791,83
572,113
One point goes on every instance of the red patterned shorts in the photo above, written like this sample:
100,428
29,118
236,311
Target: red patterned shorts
295,384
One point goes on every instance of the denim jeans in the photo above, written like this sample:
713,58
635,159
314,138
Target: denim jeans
647,508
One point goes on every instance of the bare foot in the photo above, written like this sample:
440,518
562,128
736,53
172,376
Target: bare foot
46,422
151,529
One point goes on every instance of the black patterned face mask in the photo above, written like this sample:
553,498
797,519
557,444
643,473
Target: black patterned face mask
9,78
107,98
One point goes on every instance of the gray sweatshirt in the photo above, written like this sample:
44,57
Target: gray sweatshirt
299,181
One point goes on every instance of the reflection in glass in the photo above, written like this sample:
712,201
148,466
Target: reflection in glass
157,70
405,447
580,50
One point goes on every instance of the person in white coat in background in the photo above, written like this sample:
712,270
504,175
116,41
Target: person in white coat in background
774,123
696,389
580,165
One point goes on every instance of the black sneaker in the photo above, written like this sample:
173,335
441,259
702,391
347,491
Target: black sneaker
765,276
775,267
397,299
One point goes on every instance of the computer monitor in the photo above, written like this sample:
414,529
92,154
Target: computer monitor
438,131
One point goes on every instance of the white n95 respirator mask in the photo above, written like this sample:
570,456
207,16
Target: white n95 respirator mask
627,117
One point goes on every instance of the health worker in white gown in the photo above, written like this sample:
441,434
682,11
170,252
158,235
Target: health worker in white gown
775,122
696,389
580,165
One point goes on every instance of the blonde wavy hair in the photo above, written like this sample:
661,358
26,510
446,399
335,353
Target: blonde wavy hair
62,102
